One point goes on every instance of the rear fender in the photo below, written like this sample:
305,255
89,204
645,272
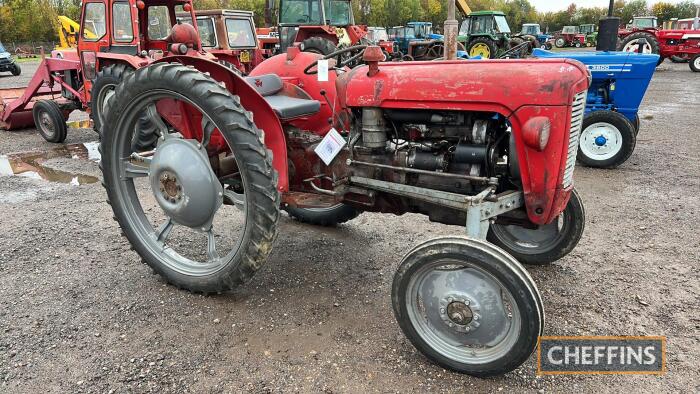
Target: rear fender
263,115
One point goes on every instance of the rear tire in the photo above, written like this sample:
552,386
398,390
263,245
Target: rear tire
629,43
483,46
607,140
513,240
694,63
103,87
560,43
327,217
49,121
16,70
318,45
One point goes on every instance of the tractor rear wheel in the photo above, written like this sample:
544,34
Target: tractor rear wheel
328,216
545,244
103,87
198,231
560,42
694,63
631,43
49,120
484,47
514,42
318,45
467,306
607,139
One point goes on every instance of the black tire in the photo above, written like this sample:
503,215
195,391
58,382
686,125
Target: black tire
653,42
548,45
493,49
107,79
560,42
492,260
16,70
628,139
49,121
678,59
318,45
327,217
636,124
514,42
573,222
577,44
259,178
694,63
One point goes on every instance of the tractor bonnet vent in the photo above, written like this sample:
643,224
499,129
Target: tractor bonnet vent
578,108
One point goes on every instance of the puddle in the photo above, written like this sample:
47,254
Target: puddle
30,164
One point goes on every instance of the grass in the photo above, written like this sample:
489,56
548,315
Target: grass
27,59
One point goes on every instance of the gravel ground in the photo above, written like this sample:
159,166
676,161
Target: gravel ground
81,313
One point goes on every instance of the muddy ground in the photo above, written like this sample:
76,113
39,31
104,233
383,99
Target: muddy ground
79,312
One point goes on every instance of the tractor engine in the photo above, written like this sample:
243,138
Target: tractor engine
450,151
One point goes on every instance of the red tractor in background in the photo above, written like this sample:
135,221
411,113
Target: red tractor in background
679,45
116,37
230,36
320,26
569,36
202,205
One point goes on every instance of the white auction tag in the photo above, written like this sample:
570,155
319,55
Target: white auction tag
330,146
322,68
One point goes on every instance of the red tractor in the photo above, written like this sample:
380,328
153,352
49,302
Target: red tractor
116,37
326,143
320,26
678,45
569,36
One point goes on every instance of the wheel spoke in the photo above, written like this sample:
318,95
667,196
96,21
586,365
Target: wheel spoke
164,230
154,117
211,246
133,170
233,198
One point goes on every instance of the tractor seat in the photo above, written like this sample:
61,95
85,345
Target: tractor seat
270,87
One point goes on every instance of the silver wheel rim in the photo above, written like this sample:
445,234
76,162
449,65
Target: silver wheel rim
532,241
696,62
155,236
46,124
601,141
484,325
633,46
560,42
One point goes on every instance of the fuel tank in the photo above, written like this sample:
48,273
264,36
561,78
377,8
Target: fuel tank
490,85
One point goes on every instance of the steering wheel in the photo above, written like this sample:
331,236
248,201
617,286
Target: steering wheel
360,48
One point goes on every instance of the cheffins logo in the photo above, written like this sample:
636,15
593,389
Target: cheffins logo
601,355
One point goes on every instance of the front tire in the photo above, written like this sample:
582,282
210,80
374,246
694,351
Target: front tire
327,216
453,295
560,42
103,87
694,63
49,120
547,243
16,70
253,191
607,140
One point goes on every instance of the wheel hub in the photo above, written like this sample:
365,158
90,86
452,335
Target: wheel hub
460,312
184,184
600,140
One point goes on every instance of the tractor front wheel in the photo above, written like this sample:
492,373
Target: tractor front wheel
49,120
201,230
103,87
326,216
467,306
607,139
484,47
16,70
318,45
544,244
694,63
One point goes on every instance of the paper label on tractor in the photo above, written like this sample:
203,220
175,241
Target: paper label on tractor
330,146
322,68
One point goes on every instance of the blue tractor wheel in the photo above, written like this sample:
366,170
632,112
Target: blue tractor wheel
607,140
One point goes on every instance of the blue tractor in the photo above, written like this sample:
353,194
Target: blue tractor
611,123
416,41
533,29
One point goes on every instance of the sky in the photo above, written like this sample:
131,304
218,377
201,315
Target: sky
560,5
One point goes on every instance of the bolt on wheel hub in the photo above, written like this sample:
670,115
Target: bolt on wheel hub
460,313
600,140
184,184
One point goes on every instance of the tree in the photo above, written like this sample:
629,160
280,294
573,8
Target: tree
634,8
664,11
685,9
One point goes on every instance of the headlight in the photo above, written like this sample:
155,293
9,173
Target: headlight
536,132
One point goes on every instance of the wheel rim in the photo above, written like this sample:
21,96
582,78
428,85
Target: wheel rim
46,124
696,62
633,46
462,311
106,93
165,184
560,42
532,241
480,49
601,141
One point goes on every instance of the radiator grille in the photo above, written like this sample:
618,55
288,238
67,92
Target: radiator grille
577,110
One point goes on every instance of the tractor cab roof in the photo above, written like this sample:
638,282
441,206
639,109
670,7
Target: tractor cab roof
419,24
481,13
235,13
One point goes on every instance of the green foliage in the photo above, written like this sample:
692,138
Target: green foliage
35,20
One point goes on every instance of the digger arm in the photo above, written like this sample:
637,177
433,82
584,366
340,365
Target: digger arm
66,32
463,7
